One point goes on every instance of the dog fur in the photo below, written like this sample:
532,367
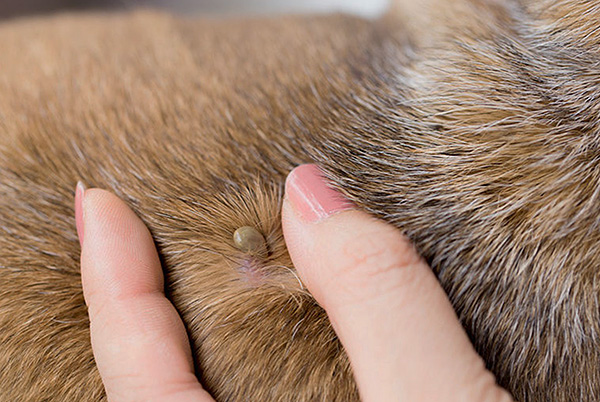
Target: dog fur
471,125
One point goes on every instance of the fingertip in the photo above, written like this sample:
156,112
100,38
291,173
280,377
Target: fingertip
311,196
104,212
79,195
116,241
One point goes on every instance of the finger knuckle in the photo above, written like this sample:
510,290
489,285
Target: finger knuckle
370,256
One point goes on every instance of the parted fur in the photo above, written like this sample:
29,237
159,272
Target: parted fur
471,125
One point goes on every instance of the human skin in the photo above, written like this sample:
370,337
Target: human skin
396,323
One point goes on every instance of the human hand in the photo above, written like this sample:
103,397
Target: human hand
396,323
140,344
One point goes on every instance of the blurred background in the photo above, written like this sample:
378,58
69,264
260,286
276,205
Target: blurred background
367,8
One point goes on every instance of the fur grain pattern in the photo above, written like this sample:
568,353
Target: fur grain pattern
478,136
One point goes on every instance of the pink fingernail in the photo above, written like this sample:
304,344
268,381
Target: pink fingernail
311,197
79,193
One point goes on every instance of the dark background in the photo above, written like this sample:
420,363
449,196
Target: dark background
17,8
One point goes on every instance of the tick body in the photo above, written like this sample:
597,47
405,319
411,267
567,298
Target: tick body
250,241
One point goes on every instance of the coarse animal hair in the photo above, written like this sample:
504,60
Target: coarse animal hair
473,126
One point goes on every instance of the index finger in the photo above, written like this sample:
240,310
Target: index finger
139,341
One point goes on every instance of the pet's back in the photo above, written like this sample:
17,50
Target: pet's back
478,137
194,124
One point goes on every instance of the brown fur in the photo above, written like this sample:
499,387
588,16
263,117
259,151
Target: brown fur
477,134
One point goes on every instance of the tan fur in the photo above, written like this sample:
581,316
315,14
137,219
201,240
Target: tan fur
474,130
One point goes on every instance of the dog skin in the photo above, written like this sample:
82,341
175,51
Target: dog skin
472,126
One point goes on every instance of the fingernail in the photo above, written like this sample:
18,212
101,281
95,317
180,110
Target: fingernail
311,197
79,193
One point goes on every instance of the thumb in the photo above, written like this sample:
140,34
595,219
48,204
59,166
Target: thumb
396,323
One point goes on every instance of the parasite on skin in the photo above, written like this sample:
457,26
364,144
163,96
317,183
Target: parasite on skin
251,241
